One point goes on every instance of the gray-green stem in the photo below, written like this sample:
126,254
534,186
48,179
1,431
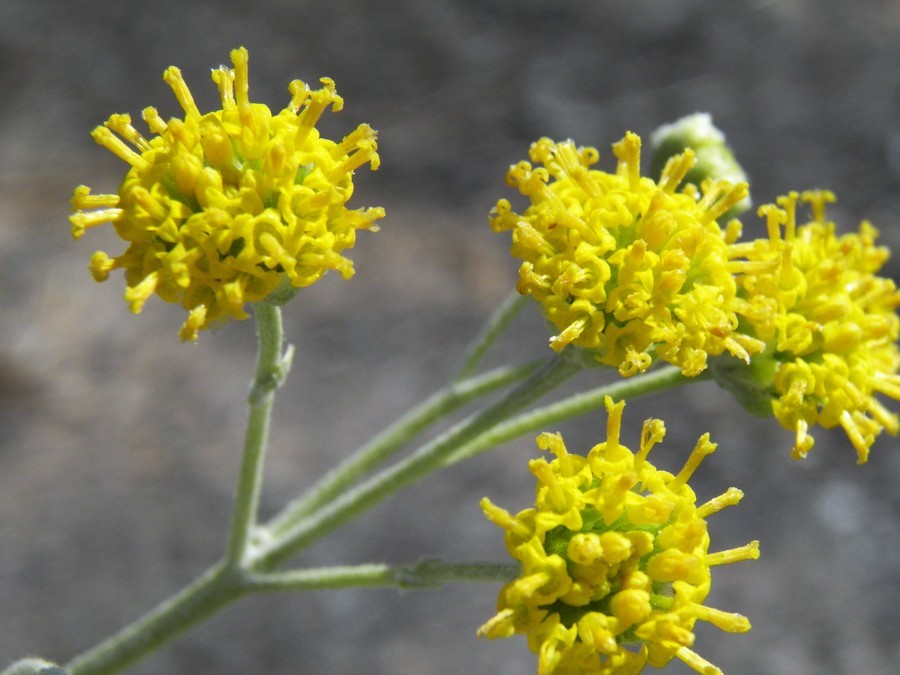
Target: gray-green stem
212,591
496,324
543,418
273,550
224,582
271,369
221,585
392,439
424,574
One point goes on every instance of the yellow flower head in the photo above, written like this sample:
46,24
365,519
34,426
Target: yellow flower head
216,207
830,322
623,266
614,559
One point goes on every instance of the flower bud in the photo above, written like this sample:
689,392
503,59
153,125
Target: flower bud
714,158
34,666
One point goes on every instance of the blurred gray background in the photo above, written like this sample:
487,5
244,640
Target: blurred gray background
119,445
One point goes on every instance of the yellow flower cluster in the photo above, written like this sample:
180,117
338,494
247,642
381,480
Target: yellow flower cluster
623,266
217,207
614,556
632,270
830,322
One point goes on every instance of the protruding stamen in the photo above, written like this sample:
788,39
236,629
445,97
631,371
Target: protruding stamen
675,170
83,199
789,203
569,163
299,91
352,140
652,433
567,335
697,662
224,79
121,124
82,220
817,199
890,421
502,518
365,152
887,383
241,59
862,442
116,145
730,622
316,103
730,497
614,502
746,552
613,424
174,79
154,121
734,196
499,625
774,219
628,152
703,448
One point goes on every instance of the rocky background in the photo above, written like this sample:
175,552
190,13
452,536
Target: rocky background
119,445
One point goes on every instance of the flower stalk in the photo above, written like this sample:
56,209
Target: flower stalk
217,587
661,379
224,582
424,574
496,324
274,550
380,448
272,367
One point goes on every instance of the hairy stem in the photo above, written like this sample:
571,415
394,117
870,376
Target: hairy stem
226,581
271,369
542,418
425,574
393,438
495,325
209,593
276,549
